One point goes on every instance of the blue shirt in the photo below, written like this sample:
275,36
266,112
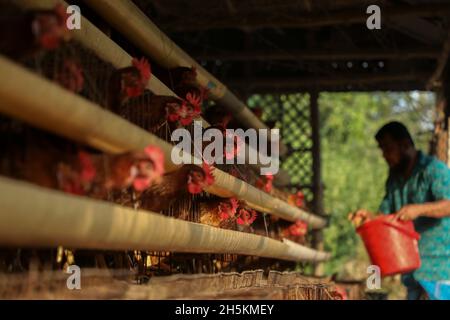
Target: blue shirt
429,182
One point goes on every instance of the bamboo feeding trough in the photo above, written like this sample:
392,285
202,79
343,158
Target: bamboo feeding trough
51,218
72,116
126,17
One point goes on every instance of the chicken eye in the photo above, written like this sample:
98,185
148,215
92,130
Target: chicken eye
197,176
145,166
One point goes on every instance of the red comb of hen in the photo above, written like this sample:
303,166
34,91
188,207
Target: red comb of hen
144,68
61,11
195,101
299,228
207,169
234,203
300,198
88,171
265,183
49,34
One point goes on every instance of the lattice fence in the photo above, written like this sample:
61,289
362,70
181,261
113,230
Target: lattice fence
291,114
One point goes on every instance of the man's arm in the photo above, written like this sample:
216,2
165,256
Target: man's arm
438,177
362,215
437,209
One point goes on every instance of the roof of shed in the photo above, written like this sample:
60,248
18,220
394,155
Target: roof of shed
285,45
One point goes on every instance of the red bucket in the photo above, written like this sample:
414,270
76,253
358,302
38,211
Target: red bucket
391,244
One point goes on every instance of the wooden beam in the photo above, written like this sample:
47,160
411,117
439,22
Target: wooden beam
324,81
308,20
419,29
321,55
435,79
386,87
448,143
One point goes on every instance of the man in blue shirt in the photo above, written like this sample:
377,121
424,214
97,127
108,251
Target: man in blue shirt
418,189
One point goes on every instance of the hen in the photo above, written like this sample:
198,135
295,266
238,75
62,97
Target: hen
24,34
127,83
219,212
230,146
128,97
189,179
265,183
62,165
96,174
177,79
228,214
220,117
159,115
70,75
297,199
295,232
183,81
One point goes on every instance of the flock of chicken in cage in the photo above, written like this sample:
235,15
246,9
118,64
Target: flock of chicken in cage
39,40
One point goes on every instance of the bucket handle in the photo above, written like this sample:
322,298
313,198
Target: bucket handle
411,234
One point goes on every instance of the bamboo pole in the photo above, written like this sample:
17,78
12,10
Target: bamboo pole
50,218
75,117
368,87
436,78
126,17
340,80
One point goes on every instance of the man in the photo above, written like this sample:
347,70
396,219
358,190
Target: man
418,189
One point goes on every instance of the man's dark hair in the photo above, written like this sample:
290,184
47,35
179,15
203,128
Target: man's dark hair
396,130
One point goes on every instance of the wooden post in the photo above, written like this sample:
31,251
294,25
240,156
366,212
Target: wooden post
439,140
440,143
448,143
317,176
446,122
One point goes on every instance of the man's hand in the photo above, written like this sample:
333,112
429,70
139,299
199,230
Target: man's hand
410,212
360,216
